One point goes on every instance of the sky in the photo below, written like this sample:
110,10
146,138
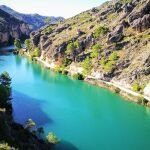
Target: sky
64,8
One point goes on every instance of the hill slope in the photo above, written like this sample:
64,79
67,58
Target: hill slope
34,20
11,28
110,42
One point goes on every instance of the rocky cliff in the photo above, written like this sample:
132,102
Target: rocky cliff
11,28
35,21
113,38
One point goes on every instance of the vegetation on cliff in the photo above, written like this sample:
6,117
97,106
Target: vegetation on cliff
109,42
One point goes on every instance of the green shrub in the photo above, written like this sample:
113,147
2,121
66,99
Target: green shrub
51,138
5,146
95,50
76,44
28,44
100,30
109,66
67,62
78,76
70,48
136,87
113,56
30,124
102,61
87,66
17,44
58,69
37,52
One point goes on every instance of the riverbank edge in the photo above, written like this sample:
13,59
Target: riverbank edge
113,87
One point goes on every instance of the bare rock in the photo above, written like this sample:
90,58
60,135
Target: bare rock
117,35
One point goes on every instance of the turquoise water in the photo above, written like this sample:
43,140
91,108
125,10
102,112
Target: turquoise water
83,116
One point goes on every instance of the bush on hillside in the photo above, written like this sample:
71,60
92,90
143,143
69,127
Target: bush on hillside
78,76
87,66
100,30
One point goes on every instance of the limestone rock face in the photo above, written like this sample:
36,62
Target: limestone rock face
116,35
141,24
11,28
147,90
140,21
102,34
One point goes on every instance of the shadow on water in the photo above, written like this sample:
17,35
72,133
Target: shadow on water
65,146
25,107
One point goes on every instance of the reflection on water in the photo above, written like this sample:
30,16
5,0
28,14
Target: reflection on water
18,61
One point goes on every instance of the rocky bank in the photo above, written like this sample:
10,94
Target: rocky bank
114,36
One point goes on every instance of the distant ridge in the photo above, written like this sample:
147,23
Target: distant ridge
35,21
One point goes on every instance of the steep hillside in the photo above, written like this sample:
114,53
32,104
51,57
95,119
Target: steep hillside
11,133
11,28
110,43
35,21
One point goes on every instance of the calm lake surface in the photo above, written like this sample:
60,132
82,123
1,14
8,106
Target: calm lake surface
83,116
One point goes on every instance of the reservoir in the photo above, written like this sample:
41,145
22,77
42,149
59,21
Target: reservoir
83,116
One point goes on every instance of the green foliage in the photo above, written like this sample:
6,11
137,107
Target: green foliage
28,44
51,138
5,79
66,62
5,89
70,48
49,30
113,56
17,44
87,66
5,146
95,50
37,52
4,96
78,76
136,87
58,69
47,20
100,30
109,66
29,124
102,61
76,44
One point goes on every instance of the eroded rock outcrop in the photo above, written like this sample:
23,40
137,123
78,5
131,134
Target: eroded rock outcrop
11,28
108,36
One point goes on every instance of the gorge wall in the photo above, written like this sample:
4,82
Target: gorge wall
115,37
11,28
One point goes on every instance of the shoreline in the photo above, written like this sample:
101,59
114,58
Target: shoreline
112,86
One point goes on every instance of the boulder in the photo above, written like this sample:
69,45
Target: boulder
116,35
128,8
141,24
35,37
